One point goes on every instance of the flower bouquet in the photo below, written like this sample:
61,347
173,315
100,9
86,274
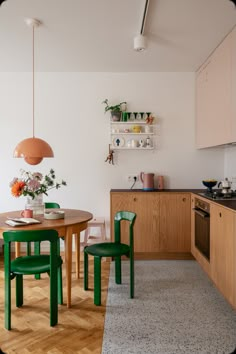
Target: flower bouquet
33,186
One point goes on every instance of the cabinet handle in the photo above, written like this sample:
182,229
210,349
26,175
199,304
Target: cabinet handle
184,199
135,199
220,215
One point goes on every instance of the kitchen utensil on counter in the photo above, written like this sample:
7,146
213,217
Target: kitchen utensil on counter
160,182
147,180
209,183
226,186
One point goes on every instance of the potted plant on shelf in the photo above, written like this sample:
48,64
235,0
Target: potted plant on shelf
116,110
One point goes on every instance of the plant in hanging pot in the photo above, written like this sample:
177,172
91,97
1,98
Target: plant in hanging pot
116,110
34,186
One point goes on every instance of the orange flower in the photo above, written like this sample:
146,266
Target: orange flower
17,188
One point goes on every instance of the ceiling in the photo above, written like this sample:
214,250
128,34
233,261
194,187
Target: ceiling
97,35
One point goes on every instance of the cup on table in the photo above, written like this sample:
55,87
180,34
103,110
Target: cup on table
27,213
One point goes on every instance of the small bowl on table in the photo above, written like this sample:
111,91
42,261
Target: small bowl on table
209,184
54,215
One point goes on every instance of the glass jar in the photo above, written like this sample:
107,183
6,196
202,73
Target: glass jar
36,204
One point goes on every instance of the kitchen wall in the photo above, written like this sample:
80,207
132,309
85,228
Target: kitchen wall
70,116
230,164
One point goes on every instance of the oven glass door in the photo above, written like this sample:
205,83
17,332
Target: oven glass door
202,232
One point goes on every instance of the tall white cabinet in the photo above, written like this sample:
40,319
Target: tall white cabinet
215,96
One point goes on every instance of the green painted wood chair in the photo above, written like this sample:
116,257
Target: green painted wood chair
37,247
51,205
48,205
33,264
111,249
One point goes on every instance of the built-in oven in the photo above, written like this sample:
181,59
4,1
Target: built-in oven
202,227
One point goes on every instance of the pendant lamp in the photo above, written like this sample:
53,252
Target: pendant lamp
33,150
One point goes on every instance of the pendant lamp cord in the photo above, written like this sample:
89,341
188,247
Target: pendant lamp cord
33,81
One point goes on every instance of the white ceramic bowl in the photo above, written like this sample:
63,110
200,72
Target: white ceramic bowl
53,215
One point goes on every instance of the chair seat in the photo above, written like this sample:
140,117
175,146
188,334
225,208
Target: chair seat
32,264
108,249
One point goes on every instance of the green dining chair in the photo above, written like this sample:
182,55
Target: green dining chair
33,264
37,247
114,249
48,205
51,205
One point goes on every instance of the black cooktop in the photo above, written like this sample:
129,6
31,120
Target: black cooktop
217,195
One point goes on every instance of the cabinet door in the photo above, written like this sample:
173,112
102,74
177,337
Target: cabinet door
233,93
213,98
146,228
175,226
223,250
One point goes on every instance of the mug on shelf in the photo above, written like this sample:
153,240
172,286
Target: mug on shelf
27,213
134,143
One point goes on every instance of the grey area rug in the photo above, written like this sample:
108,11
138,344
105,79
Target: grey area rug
176,310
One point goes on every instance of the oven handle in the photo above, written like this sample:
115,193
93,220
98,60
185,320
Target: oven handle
201,213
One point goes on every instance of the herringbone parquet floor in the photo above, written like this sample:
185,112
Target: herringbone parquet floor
79,329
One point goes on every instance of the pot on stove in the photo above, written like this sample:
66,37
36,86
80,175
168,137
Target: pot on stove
226,186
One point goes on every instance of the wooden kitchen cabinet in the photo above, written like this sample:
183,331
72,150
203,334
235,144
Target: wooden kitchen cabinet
175,222
214,98
162,227
223,251
146,228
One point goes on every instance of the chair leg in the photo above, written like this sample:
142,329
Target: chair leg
7,300
28,249
37,251
77,255
97,280
19,290
85,271
118,270
60,286
53,298
131,275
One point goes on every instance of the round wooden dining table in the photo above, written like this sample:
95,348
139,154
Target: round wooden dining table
74,222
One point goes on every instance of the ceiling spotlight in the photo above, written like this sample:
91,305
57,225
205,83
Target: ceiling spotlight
140,40
139,43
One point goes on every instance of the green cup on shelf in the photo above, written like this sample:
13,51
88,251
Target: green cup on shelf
124,116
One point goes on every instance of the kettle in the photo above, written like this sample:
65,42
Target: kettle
147,180
226,186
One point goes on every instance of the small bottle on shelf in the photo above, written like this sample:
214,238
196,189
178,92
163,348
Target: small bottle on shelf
148,142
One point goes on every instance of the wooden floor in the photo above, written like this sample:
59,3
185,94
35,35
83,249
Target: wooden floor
79,329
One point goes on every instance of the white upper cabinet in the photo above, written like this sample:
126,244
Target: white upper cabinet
215,89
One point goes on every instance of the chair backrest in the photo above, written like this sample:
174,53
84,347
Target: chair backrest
128,216
31,236
51,205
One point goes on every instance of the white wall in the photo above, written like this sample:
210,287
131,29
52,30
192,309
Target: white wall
70,116
230,164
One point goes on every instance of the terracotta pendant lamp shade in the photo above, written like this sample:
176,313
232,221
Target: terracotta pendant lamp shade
33,150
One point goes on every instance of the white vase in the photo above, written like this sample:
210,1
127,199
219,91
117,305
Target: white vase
36,204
